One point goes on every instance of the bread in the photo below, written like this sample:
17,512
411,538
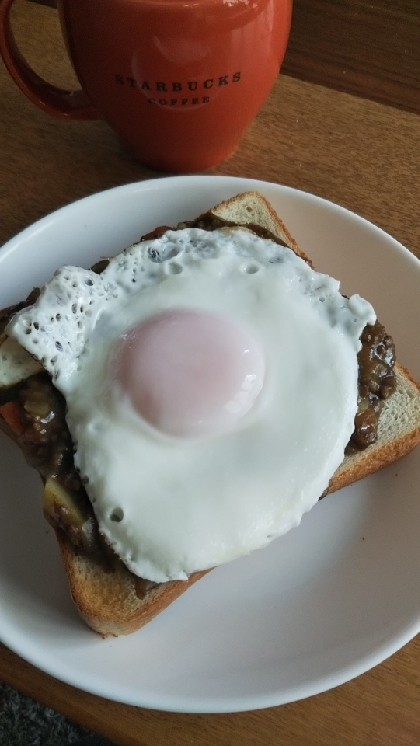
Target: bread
109,601
250,209
398,434
115,602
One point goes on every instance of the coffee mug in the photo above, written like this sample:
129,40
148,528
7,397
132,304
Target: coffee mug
178,80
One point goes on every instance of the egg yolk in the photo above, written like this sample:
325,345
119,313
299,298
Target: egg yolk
190,373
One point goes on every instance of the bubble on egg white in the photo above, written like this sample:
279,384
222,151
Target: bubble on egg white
117,515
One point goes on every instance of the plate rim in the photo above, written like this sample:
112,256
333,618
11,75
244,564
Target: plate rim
172,704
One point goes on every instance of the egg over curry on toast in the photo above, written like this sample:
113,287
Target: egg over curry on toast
214,280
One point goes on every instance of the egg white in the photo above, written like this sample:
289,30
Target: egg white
172,506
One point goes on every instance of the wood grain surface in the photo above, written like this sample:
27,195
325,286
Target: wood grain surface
370,49
379,708
353,151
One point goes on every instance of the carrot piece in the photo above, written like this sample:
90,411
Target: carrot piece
11,413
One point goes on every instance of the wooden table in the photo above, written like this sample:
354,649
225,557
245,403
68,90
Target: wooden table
340,145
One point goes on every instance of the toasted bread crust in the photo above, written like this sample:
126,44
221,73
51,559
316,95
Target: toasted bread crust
391,445
107,601
251,208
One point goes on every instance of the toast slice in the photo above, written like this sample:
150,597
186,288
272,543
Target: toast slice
112,603
398,434
253,211
115,602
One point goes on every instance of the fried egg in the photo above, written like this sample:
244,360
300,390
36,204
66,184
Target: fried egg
211,389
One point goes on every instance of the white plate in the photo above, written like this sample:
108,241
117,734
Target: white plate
319,606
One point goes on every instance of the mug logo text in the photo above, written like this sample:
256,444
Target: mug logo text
154,89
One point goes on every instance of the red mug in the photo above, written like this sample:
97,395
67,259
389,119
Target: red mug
178,80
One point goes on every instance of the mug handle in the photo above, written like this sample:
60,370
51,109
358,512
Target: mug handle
53,100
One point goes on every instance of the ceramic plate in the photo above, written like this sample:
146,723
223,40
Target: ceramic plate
320,605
